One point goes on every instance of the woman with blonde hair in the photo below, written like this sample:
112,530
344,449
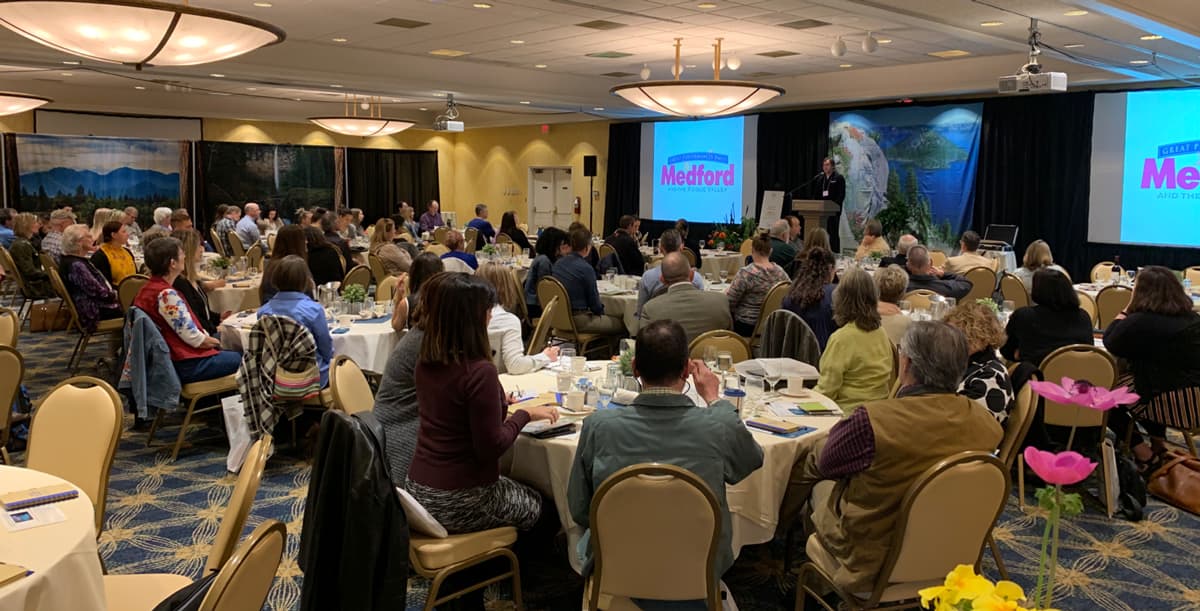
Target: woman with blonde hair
986,379
818,238
892,282
856,366
99,218
395,260
191,287
504,327
25,256
1037,256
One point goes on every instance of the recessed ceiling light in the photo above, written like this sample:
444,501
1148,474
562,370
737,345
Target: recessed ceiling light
71,62
215,75
884,41
1073,45
517,42
991,24
252,89
1151,37
422,109
845,65
440,95
448,52
525,102
540,66
337,86
1075,13
481,5
1139,62
689,66
706,5
139,87
949,53
263,4
340,39
66,74
598,108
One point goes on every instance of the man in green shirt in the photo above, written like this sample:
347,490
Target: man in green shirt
663,425
782,252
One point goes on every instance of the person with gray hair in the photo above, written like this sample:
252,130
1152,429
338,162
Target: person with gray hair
487,233
696,309
892,282
95,299
905,242
669,241
59,220
131,224
877,452
782,252
923,275
161,226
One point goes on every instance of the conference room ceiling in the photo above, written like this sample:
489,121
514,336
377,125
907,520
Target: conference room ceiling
339,47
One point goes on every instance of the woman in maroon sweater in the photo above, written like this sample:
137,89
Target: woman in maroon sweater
464,427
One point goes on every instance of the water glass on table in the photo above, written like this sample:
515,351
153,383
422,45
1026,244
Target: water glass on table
905,307
710,357
610,275
565,354
724,276
724,360
564,380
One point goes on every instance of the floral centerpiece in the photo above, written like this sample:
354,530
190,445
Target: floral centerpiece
965,591
220,263
355,297
730,233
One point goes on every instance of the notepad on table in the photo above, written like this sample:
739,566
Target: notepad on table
32,497
772,425
11,572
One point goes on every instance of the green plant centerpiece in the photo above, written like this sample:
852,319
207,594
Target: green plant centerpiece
989,304
355,294
488,249
220,263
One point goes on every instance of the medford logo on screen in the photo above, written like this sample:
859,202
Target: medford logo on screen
697,174
1164,173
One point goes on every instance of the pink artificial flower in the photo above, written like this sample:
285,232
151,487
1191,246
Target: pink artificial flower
1064,469
1084,394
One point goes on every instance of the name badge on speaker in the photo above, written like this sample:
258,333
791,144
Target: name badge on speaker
825,193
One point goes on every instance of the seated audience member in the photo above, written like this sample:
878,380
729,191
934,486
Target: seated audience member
551,245
25,257
873,243
485,232
456,243
432,218
892,282
354,230
923,275
811,295
342,222
1037,256
99,218
782,253
191,287
878,451
395,260
59,220
750,286
696,310
423,268
270,220
986,379
651,285
856,366
663,425
303,217
246,229
465,427
407,222
510,228
113,258
819,238
324,261
329,224
681,227
95,298
795,233
290,240
131,225
1053,322
905,242
396,404
593,257
226,225
624,240
504,327
579,279
1158,334
196,355
968,256
293,283
6,232
161,226
180,219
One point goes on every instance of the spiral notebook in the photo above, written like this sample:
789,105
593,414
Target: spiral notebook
32,497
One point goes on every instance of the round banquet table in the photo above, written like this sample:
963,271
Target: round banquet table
236,296
754,502
1091,289
367,343
711,261
62,556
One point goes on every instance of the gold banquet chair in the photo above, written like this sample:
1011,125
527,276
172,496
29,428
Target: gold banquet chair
944,520
1088,305
128,289
1193,274
386,289
471,240
773,301
1102,271
349,388
920,299
12,372
142,592
74,436
656,532
983,283
245,581
360,275
721,340
541,331
1111,301
1015,429
1012,289
112,327
10,330
938,258
377,270
562,323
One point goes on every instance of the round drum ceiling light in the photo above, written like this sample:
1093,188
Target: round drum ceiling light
13,103
373,124
698,98
137,32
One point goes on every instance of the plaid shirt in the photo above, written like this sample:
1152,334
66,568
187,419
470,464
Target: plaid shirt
272,337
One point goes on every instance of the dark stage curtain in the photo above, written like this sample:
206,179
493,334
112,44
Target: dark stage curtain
379,180
791,146
623,184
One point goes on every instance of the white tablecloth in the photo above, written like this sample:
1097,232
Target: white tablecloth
1008,260
62,556
1093,289
711,262
620,302
754,503
236,296
368,344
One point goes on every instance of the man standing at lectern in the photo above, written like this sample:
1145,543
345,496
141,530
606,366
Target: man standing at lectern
832,185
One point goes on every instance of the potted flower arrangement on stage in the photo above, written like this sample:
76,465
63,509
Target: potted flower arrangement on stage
729,234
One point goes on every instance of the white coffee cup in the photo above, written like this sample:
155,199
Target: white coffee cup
579,365
795,385
345,320
574,401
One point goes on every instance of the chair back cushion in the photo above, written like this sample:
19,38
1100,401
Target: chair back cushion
1088,305
238,508
243,584
360,275
773,301
549,288
1078,362
351,392
1014,290
1017,426
10,328
1102,271
12,364
983,283
541,332
385,289
376,265
1111,301
920,299
128,289
722,340
655,531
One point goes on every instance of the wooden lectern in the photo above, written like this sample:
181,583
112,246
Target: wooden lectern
815,212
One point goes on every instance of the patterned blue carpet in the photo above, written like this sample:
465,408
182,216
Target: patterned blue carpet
162,516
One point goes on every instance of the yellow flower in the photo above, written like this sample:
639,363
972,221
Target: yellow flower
1009,591
991,602
961,584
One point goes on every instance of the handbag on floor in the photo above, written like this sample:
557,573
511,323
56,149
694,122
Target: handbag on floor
1178,481
49,315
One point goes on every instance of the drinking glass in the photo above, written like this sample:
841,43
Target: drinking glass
628,345
905,307
709,277
710,357
950,303
578,365
565,355
610,274
1008,306
564,380
724,276
1132,275
724,360
607,388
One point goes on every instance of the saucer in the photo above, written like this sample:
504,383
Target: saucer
788,392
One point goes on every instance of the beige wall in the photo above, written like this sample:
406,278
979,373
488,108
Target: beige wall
21,123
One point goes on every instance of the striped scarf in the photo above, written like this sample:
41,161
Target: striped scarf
270,337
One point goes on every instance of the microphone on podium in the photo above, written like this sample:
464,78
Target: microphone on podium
808,182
